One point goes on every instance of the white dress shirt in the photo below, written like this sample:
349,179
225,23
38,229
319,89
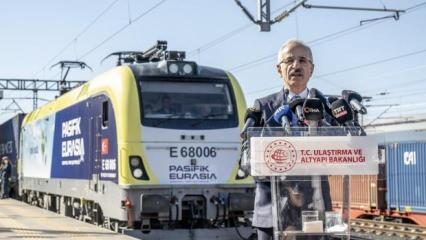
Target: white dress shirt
303,94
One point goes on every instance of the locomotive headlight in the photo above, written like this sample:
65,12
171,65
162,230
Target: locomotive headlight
187,68
173,68
179,67
137,168
134,162
241,173
137,173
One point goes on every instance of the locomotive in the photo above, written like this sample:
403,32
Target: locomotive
151,144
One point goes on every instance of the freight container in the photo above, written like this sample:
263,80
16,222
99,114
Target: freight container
406,180
398,193
367,192
9,144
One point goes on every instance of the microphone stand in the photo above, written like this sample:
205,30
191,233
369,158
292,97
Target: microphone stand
317,197
279,202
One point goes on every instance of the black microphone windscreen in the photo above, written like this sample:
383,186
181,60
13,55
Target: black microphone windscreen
332,99
254,114
315,93
348,95
341,111
313,109
296,102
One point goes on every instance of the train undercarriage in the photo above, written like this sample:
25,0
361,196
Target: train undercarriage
185,217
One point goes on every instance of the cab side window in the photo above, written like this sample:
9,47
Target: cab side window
105,114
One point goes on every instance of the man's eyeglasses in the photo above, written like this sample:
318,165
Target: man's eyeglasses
301,60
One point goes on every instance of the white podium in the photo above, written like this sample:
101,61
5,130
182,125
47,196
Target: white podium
298,162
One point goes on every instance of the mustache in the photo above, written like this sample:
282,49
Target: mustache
296,71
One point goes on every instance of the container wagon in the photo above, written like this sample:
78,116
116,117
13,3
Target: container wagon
9,146
398,193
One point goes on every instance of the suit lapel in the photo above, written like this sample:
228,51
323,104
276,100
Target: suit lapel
278,101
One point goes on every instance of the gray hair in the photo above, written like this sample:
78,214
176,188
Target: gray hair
292,43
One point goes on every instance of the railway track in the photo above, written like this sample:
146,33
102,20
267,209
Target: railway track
387,229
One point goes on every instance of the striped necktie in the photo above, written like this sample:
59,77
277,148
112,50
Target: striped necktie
295,97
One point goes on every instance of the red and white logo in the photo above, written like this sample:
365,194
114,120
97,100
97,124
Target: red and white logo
104,146
280,156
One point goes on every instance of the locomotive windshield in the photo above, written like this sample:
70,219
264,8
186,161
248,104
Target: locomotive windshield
187,104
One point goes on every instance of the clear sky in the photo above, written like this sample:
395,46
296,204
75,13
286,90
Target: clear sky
383,56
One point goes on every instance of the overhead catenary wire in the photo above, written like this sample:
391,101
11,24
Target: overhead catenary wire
346,31
378,116
400,96
74,39
409,107
317,41
275,86
383,4
269,57
296,22
265,58
413,109
375,62
387,94
382,92
218,40
392,74
228,35
327,37
399,109
397,105
131,21
419,5
320,40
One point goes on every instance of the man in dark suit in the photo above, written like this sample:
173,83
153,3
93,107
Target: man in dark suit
295,67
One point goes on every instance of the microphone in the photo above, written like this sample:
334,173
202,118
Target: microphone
332,99
354,99
284,115
251,119
342,112
315,93
297,107
313,109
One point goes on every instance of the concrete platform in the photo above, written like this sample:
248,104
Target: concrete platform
22,221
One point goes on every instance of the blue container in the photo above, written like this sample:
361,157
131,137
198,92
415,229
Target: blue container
406,176
9,140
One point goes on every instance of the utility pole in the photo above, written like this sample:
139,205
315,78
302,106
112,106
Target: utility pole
264,12
264,15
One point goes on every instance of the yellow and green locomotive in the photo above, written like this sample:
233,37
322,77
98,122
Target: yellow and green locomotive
153,144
